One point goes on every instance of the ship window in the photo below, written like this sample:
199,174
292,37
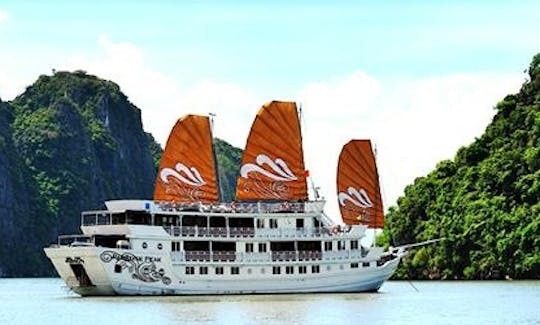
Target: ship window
315,269
273,223
276,270
299,223
144,245
219,270
235,270
190,270
289,269
262,247
365,264
341,245
327,245
175,247
249,247
260,223
354,265
302,269
354,244
160,246
118,268
203,270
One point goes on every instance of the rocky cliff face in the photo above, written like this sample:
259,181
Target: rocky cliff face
68,143
24,220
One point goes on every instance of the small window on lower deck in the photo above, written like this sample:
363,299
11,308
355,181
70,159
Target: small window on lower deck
190,270
235,270
203,270
354,265
302,269
315,269
276,270
219,270
365,264
289,269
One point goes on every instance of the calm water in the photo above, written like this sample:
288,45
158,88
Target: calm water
46,301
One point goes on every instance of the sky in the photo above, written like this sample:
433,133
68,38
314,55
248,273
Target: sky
419,78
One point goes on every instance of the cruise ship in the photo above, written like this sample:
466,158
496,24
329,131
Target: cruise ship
271,239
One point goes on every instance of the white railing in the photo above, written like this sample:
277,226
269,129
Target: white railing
74,240
239,232
243,207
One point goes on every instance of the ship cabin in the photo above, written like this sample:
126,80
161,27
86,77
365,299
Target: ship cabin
198,236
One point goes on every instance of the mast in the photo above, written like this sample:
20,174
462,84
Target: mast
216,165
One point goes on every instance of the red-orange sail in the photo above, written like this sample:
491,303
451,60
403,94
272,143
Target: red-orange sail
273,161
187,170
359,194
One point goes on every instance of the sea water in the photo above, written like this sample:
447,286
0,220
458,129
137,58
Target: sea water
47,301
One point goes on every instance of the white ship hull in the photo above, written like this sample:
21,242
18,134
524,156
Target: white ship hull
106,282
158,261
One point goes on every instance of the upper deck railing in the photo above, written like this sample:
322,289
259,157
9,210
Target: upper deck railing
106,217
243,207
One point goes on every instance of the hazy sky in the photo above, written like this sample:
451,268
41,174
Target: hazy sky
419,78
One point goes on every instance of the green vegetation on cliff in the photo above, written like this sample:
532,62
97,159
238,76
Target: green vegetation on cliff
67,144
228,160
485,202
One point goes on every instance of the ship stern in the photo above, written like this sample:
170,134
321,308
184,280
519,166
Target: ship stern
81,270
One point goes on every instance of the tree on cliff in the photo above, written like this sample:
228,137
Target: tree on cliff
486,201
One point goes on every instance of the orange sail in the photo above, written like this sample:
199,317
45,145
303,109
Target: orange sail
186,172
358,188
273,161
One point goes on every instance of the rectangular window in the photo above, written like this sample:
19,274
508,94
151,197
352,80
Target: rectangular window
175,247
262,247
249,247
260,223
190,270
365,264
203,270
273,223
315,269
276,270
299,223
354,244
235,270
219,270
341,245
327,245
302,269
354,265
289,269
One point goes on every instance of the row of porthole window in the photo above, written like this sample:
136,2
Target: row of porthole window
145,245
